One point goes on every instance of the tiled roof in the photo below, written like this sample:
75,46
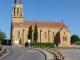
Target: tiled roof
41,24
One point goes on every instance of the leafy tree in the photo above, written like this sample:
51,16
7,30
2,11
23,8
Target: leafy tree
30,33
2,36
74,38
20,42
35,33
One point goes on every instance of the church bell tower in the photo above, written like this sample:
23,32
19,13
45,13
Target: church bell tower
17,11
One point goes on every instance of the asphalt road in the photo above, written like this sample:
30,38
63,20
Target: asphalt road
22,53
72,54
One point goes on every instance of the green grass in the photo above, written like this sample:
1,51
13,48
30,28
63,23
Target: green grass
77,42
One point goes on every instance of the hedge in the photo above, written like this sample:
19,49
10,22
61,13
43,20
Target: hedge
51,45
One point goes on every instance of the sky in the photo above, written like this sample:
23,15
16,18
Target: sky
43,10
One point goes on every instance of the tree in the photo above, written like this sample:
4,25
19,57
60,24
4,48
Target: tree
30,33
20,42
2,36
74,38
35,33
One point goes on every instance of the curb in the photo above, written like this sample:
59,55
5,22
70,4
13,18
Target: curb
5,54
2,49
46,53
41,52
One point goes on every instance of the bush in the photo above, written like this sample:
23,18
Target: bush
20,41
74,38
51,45
26,44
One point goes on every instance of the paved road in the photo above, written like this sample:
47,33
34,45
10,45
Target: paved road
72,54
22,53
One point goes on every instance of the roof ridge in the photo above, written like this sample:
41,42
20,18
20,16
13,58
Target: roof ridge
41,21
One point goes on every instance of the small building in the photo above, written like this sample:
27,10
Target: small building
52,32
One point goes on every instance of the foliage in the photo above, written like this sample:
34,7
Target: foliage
2,36
51,45
20,42
30,33
35,33
26,44
77,42
74,38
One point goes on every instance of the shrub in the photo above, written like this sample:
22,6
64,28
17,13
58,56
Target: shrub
26,44
51,45
20,41
74,38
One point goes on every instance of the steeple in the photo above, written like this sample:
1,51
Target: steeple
17,11
17,2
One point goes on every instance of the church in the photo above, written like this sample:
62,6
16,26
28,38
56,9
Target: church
52,32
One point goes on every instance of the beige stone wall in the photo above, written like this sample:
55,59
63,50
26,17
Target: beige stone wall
17,20
67,42
49,38
17,13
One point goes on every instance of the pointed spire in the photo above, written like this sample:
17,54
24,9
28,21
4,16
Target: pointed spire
17,2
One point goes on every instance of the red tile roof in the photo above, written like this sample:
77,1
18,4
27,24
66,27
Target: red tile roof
41,24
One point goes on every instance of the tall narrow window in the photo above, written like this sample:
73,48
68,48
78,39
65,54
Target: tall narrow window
27,33
53,35
45,35
18,34
21,11
14,10
17,10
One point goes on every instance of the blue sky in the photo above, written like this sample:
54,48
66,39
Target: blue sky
43,10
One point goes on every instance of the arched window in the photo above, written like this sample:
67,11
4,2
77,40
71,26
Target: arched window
45,35
18,10
53,35
18,34
14,10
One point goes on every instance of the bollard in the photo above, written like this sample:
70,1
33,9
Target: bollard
39,47
52,50
46,49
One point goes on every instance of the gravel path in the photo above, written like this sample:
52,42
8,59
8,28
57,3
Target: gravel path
72,54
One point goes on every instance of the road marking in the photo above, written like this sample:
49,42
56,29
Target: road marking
32,51
20,57
5,54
